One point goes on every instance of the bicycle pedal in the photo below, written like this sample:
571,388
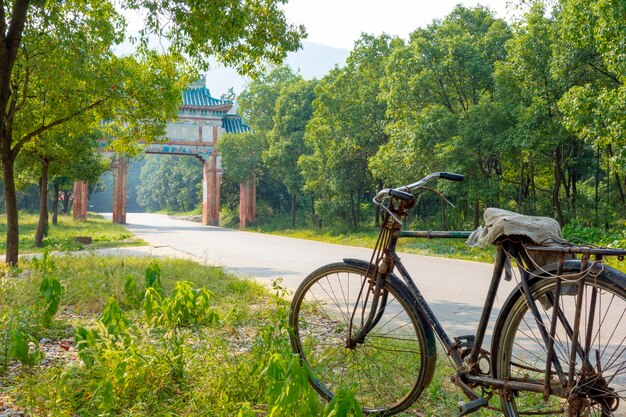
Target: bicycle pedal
466,341
470,407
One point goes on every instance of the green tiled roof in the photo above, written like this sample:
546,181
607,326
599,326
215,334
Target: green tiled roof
234,124
201,97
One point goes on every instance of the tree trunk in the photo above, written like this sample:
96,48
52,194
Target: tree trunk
618,181
42,224
377,208
444,221
66,202
522,184
10,204
574,193
596,199
476,214
317,221
293,210
55,202
556,202
353,220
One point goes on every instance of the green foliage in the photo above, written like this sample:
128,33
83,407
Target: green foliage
343,404
531,112
50,289
60,236
184,307
241,155
153,279
19,348
289,392
59,69
168,183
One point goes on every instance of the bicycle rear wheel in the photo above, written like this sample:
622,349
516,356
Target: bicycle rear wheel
394,362
599,377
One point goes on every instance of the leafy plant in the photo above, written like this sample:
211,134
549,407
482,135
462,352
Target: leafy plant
289,391
24,348
50,289
343,404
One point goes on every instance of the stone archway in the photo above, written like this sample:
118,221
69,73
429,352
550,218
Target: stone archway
202,119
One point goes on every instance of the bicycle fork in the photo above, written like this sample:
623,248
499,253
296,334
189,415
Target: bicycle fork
376,309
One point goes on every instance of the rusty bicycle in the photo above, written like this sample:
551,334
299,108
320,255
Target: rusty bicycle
558,347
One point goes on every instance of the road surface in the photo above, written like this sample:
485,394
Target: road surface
454,289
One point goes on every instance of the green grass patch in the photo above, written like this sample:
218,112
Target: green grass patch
104,233
447,248
131,336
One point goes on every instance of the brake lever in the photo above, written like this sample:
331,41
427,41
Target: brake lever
382,206
441,196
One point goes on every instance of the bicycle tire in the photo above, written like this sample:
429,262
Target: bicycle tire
389,370
520,352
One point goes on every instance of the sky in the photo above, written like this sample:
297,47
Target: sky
339,23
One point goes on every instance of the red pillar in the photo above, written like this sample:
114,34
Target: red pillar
210,193
247,202
211,175
80,200
119,166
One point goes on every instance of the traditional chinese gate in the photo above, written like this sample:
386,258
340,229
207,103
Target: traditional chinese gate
202,119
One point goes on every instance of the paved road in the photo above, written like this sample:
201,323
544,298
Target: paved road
455,289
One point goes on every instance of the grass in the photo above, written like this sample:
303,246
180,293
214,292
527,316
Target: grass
447,248
104,233
234,366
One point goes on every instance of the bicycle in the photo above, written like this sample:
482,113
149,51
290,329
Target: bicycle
557,346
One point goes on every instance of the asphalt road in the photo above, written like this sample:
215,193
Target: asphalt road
454,289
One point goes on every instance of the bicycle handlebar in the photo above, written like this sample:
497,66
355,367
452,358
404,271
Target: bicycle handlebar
403,193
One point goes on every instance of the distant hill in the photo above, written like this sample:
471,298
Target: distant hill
313,61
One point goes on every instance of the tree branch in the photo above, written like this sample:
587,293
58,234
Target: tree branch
3,22
19,145
17,103
16,28
601,71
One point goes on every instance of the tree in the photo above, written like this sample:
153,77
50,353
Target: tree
257,105
438,86
286,140
241,155
170,183
57,65
590,43
67,155
347,128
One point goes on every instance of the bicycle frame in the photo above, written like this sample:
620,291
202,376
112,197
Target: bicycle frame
467,372
561,375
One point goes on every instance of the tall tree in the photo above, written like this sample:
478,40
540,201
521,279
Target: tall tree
170,183
286,140
347,128
56,64
68,155
591,38
439,86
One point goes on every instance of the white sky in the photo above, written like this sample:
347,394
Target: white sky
339,23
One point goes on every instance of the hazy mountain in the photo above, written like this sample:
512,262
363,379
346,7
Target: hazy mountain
313,61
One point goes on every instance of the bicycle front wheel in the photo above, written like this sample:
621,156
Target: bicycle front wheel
596,385
389,368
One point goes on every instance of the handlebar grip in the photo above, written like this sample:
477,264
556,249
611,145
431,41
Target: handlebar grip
451,176
402,195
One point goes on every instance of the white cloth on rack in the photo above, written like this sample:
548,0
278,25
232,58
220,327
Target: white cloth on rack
499,222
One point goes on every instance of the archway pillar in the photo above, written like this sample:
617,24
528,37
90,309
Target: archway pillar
80,194
119,166
247,202
211,176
